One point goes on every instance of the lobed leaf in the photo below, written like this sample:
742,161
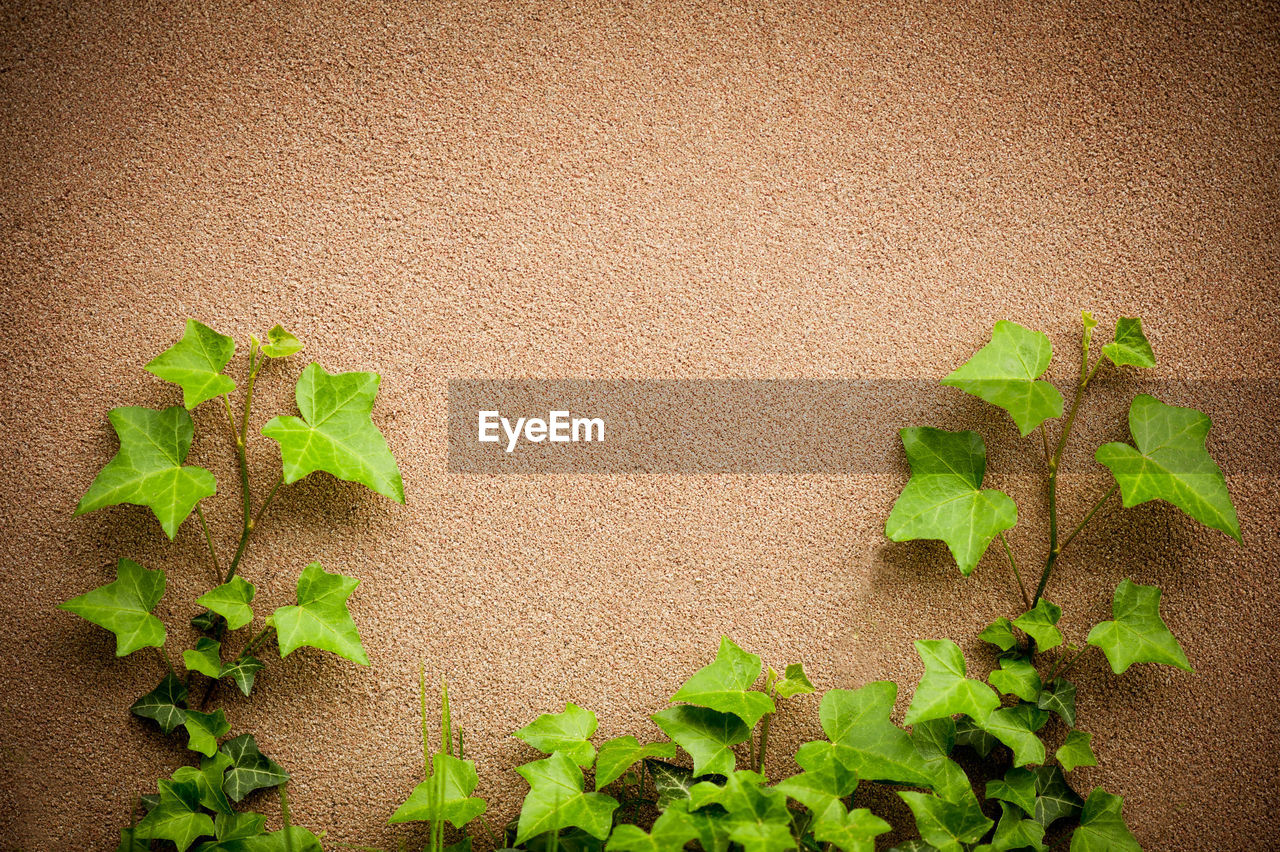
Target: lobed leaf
1005,374
947,825
1076,751
196,363
1170,463
969,734
1016,727
671,831
1059,695
205,658
250,769
1017,677
177,818
568,732
725,685
148,468
124,606
280,343
1102,827
231,601
164,704
209,780
321,619
446,795
556,800
1018,787
1130,346
1040,623
242,670
1000,634
1138,634
793,682
867,742
707,735
621,753
670,782
933,741
824,782
944,499
756,816
944,690
855,831
204,729
335,433
1014,832
1055,800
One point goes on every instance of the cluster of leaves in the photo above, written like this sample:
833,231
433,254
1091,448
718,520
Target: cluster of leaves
334,434
697,781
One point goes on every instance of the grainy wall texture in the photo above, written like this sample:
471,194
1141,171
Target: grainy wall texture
641,190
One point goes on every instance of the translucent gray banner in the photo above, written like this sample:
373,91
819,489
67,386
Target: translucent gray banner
805,426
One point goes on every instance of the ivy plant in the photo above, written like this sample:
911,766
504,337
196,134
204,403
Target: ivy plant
200,805
983,761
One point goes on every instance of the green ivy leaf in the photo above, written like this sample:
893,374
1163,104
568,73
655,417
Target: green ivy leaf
164,704
1015,727
621,753
969,734
204,729
250,769
446,795
867,742
1076,751
196,363
944,690
671,831
792,682
1138,634
914,846
670,782
556,800
124,606
147,470
824,782
725,685
1130,346
293,839
205,658
1054,799
1005,373
944,499
242,671
1000,634
130,842
855,831
1017,677
947,825
1171,463
933,741
280,343
1059,695
231,601
1040,624
1018,787
707,735
335,433
321,619
177,817
208,779
568,732
1102,827
756,816
1014,832
209,623
238,826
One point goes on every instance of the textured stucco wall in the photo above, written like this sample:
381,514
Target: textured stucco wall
665,190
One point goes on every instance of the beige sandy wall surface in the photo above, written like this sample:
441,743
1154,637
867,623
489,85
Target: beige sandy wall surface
645,190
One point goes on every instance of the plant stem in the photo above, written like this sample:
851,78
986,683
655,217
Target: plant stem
764,723
1071,662
208,537
1026,601
1055,461
1088,517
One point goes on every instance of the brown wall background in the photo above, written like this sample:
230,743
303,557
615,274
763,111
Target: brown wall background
650,190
